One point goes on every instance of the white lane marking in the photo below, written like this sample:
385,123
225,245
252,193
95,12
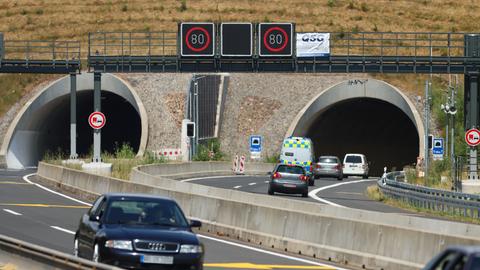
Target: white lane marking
251,184
313,194
62,229
235,187
220,177
267,252
12,212
206,237
54,192
267,182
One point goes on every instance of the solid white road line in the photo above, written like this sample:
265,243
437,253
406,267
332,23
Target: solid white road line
267,252
62,229
235,187
52,191
313,194
219,177
251,184
12,212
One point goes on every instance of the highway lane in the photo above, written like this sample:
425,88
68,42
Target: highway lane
350,192
35,215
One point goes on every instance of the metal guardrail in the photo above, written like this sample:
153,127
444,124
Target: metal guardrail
46,256
457,203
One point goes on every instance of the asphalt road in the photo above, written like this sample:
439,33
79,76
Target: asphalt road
349,192
32,214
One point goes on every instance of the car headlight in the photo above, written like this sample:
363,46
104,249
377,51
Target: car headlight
191,249
119,244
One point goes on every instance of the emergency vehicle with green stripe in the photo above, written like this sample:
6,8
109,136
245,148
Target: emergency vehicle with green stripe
298,151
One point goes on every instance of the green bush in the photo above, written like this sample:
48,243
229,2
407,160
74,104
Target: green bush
208,150
124,151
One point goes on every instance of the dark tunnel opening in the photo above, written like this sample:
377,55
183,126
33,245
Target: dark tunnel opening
123,124
380,130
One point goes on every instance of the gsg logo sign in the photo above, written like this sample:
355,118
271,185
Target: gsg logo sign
313,37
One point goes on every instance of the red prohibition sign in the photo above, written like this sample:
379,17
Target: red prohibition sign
472,137
189,45
97,120
284,33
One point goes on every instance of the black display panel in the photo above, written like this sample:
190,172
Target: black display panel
236,39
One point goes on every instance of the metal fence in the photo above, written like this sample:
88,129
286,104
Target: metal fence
31,50
456,203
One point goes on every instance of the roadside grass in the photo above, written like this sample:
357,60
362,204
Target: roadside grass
123,160
374,193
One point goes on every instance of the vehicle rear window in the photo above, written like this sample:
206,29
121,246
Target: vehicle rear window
353,159
289,154
328,160
290,169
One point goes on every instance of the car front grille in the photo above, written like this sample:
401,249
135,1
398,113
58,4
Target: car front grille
156,246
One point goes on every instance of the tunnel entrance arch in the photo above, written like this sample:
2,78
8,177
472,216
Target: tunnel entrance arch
43,124
365,116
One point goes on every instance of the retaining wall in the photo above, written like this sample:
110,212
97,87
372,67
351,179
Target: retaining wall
373,240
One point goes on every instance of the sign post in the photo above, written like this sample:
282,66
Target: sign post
472,137
97,102
73,116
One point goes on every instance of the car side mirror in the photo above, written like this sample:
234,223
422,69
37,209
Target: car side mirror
195,223
94,218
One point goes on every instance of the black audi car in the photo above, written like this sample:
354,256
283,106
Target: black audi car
137,231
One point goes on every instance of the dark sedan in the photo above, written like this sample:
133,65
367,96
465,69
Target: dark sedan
137,231
290,179
456,258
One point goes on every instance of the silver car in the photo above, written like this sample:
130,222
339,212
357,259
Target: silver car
328,166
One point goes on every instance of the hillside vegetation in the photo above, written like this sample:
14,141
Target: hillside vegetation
74,19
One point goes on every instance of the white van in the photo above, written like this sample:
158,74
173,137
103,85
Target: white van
355,164
298,151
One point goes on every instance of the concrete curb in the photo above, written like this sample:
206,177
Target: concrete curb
366,239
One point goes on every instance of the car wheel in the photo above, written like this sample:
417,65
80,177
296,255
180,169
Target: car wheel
75,247
340,178
311,181
305,194
270,191
96,254
365,177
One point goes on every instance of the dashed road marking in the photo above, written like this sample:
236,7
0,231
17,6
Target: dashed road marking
251,184
12,212
62,229
44,205
236,187
13,183
266,182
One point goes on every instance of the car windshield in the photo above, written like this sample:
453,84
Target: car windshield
290,169
328,160
353,159
142,212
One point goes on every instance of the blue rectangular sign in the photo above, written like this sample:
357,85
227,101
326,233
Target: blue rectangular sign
255,143
437,147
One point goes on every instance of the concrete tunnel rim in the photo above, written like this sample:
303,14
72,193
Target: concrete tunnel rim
7,139
416,121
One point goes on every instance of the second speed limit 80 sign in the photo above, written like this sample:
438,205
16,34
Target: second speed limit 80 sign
275,39
197,39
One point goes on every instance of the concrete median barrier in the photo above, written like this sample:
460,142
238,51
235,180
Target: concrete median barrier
372,240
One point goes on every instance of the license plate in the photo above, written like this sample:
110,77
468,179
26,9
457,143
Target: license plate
289,185
156,259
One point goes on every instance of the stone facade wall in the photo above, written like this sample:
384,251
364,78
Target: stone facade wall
164,97
266,104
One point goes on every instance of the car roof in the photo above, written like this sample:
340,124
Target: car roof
115,195
465,249
327,157
354,154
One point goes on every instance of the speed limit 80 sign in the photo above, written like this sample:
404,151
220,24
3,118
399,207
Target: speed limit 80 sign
275,39
197,39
